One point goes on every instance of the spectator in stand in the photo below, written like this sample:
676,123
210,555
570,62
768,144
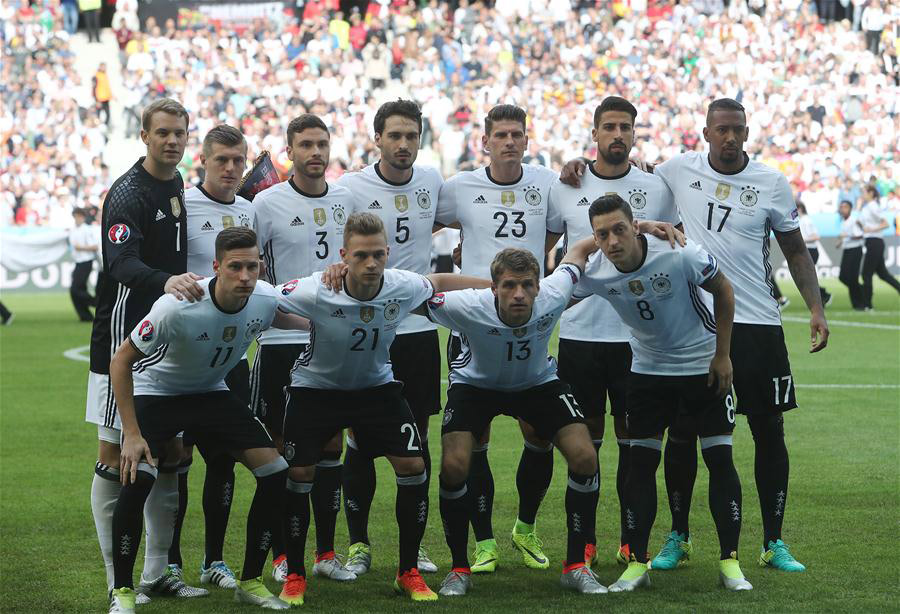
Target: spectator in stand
70,15
90,11
102,92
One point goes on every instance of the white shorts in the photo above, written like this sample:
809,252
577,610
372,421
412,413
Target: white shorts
101,406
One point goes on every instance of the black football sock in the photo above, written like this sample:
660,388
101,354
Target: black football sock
580,513
411,510
724,492
623,446
266,510
481,494
359,490
680,468
175,548
591,535
326,499
640,512
128,525
297,526
218,493
533,478
455,512
772,468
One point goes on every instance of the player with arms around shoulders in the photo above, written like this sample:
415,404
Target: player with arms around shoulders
405,197
680,370
344,380
144,253
169,376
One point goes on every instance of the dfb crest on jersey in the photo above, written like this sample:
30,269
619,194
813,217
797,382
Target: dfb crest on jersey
520,332
337,212
366,314
401,202
391,311
145,331
532,196
508,198
119,233
423,198
749,196
637,198
448,416
660,283
636,287
229,333
176,206
289,450
227,221
319,216
544,323
722,191
289,286
253,328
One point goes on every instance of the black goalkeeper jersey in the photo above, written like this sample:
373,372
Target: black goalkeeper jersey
144,227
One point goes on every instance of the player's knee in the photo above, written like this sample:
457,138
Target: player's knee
330,458
302,474
583,460
680,434
766,428
596,427
408,465
108,453
335,444
454,467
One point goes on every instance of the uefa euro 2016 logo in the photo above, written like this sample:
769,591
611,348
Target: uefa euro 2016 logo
119,233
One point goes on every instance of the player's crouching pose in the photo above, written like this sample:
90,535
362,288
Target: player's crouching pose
505,368
681,370
168,376
344,380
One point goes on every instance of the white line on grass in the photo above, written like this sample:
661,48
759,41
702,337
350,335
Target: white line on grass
844,323
77,353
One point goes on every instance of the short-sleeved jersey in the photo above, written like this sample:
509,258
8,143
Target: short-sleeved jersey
298,234
349,339
672,329
144,242
206,218
732,216
871,215
191,347
494,216
808,229
593,319
407,210
84,234
851,231
495,355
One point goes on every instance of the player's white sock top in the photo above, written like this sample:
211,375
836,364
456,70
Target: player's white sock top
159,512
104,494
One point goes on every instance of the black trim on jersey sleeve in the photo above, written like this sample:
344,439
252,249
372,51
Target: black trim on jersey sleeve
124,206
785,233
136,348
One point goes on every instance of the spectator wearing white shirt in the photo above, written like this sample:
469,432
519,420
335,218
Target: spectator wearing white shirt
84,240
873,224
810,235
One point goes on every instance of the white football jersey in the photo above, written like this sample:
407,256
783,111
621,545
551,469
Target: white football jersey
299,234
732,217
495,216
191,347
206,218
808,229
871,215
349,340
407,211
497,356
852,232
672,329
594,319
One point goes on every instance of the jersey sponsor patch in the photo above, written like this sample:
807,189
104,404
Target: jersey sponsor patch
709,267
145,331
437,300
119,233
289,286
794,214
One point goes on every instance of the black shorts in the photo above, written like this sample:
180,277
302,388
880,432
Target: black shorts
380,418
656,402
547,408
269,382
238,381
596,370
763,381
416,361
219,422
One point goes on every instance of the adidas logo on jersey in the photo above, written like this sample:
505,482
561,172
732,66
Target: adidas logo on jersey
160,215
202,337
297,221
613,292
206,226
494,331
583,202
375,205
481,200
696,185
338,313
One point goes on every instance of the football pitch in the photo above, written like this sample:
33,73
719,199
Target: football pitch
842,513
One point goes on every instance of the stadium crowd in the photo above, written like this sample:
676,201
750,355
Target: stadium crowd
823,94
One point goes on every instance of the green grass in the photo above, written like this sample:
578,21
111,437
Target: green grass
842,515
